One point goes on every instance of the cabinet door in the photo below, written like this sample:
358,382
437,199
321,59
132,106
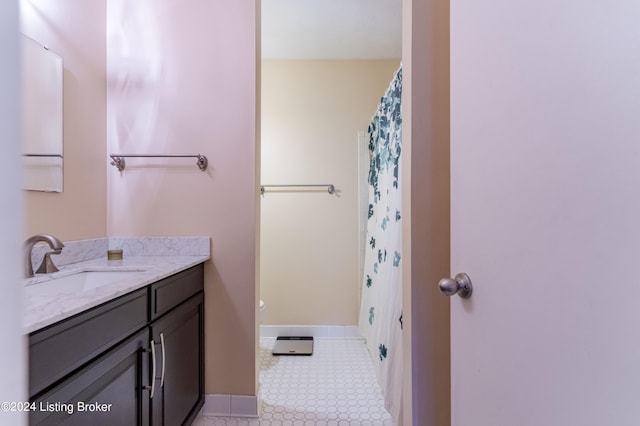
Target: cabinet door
180,356
109,391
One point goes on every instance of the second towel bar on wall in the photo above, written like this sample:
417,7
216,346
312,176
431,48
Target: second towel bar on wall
118,159
330,188
43,155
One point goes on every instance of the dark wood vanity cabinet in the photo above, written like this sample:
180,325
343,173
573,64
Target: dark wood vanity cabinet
98,367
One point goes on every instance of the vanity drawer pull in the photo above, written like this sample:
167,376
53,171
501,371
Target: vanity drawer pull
163,357
153,369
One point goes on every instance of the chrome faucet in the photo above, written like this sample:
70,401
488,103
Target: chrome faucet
47,265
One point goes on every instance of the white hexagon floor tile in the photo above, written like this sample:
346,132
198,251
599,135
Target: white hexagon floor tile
336,386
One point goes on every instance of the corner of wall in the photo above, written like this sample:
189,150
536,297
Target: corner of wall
426,144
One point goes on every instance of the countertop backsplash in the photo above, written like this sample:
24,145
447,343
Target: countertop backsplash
82,250
73,251
161,246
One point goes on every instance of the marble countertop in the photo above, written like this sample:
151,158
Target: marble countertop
47,300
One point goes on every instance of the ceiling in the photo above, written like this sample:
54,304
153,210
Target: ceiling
331,29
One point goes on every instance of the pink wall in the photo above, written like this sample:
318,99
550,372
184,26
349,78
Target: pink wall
183,79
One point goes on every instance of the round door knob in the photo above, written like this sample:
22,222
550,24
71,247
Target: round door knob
460,285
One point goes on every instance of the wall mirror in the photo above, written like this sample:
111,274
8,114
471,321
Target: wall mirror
42,134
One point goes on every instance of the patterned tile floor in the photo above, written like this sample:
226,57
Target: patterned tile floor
336,386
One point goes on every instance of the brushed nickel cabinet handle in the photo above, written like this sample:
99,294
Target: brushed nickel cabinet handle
163,357
153,369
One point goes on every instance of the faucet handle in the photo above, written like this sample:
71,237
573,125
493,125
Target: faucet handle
47,266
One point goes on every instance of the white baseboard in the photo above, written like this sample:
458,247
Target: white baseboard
317,331
230,405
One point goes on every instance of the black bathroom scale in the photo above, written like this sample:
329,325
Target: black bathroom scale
293,345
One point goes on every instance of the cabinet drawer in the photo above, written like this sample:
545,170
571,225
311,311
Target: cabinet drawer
58,350
171,291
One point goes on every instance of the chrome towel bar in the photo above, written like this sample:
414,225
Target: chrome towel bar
118,159
330,188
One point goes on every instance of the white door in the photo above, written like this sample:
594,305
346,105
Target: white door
545,213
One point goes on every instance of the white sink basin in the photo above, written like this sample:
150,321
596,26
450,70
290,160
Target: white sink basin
83,281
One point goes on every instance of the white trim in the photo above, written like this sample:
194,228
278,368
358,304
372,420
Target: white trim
244,406
363,204
13,359
219,405
216,405
317,331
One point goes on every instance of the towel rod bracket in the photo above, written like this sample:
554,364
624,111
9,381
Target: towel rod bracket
118,162
202,162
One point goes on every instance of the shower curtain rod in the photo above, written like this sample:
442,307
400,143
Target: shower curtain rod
330,188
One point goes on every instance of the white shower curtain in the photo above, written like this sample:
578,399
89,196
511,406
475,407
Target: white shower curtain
381,304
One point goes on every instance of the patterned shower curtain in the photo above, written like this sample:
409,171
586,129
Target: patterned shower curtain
381,304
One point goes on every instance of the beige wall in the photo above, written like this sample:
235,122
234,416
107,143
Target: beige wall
426,201
183,79
75,30
311,114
